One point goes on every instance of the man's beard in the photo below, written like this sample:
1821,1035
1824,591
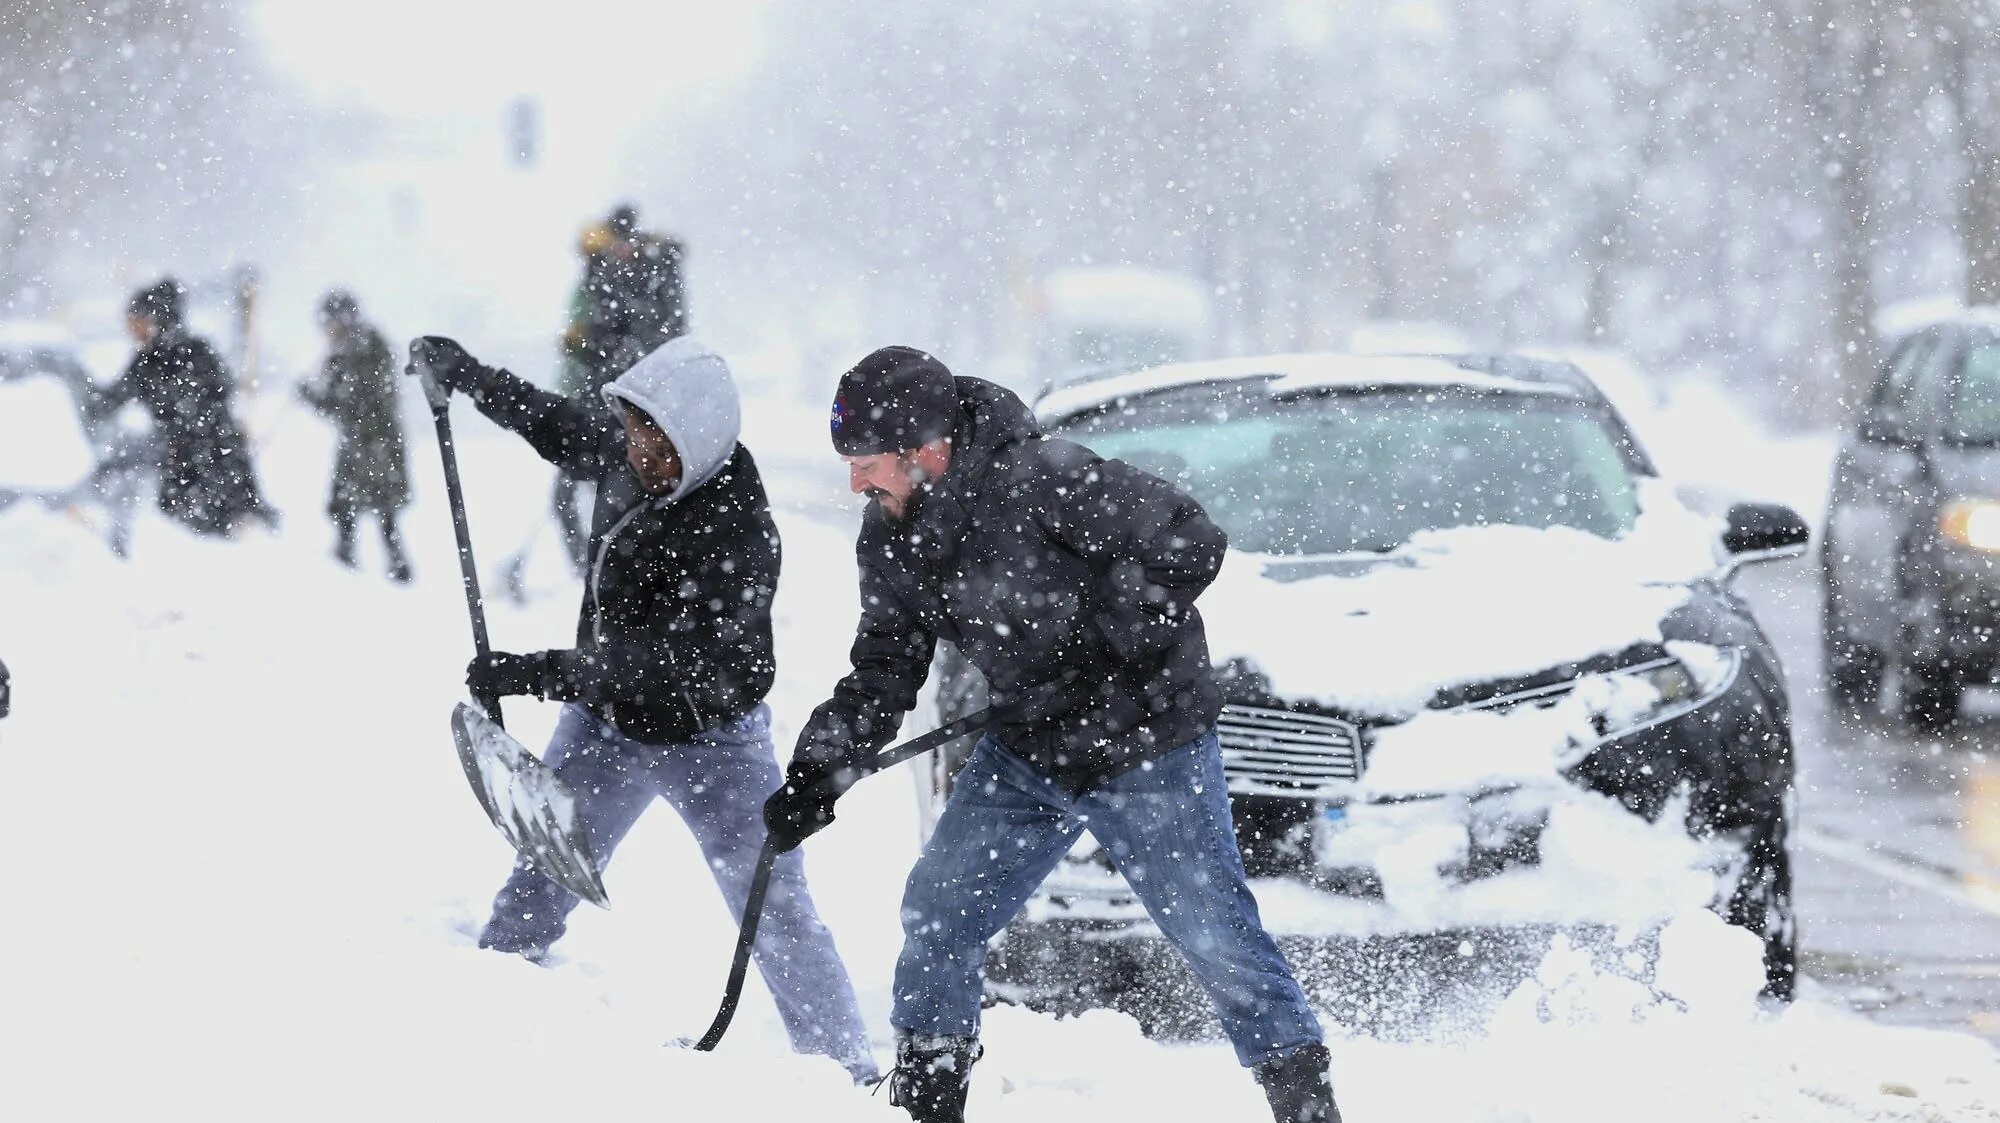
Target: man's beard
908,506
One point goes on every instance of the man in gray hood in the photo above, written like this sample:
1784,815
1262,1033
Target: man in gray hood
664,687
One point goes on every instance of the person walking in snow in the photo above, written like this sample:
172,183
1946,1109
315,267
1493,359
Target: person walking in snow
632,298
206,480
664,689
1069,581
356,390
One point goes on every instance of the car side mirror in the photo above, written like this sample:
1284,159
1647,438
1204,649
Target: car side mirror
1759,532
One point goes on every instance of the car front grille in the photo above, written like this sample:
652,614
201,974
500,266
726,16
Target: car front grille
1282,753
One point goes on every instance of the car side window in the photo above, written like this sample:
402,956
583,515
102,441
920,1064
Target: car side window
1890,416
1975,402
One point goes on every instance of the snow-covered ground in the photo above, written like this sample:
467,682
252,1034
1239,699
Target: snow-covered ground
245,863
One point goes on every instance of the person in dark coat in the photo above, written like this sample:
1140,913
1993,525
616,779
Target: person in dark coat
1069,582
206,479
356,390
631,298
664,688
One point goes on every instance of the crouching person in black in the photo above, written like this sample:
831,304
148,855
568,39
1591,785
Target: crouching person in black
206,479
1069,581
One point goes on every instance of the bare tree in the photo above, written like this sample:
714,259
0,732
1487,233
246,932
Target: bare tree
1840,45
123,104
1971,66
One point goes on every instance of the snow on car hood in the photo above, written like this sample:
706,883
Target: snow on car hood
1381,635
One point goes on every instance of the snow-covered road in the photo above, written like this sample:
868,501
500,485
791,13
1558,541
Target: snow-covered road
244,863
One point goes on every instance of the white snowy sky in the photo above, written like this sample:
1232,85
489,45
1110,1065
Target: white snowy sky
426,56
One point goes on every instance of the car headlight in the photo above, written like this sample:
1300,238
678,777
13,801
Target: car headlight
1587,712
1673,681
1626,701
1972,522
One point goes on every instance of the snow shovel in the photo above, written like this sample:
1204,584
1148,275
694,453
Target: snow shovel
532,809
753,907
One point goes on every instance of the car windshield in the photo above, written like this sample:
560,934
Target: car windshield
1345,472
1975,408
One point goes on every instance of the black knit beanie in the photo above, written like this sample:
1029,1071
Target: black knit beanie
160,302
896,399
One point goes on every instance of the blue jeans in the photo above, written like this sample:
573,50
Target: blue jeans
718,784
1167,827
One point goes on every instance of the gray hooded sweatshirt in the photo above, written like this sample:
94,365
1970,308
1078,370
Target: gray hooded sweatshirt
674,635
688,392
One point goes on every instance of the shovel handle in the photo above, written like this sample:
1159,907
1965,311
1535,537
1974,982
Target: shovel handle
439,397
753,909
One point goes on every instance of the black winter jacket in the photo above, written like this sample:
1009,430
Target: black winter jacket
674,637
356,389
206,478
1068,580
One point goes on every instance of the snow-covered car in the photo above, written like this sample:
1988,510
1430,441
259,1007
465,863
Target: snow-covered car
1482,668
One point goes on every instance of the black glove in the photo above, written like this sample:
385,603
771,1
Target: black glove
452,366
498,674
797,811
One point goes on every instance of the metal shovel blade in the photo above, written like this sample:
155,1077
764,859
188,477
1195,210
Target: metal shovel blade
532,809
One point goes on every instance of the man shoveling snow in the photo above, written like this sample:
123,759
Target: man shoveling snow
664,690
1069,581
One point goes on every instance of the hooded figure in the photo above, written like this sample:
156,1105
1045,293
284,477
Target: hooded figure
206,479
664,687
684,389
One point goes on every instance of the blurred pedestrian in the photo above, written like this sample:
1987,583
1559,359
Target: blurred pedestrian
630,299
356,390
206,479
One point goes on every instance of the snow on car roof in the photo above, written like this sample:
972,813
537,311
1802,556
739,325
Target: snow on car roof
1896,322
1292,373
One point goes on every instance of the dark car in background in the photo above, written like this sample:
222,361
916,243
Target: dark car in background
1912,605
1428,555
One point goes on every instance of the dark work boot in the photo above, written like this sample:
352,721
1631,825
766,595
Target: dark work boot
931,1075
343,541
1300,1086
512,944
392,542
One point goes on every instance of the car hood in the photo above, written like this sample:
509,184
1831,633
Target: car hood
1381,637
